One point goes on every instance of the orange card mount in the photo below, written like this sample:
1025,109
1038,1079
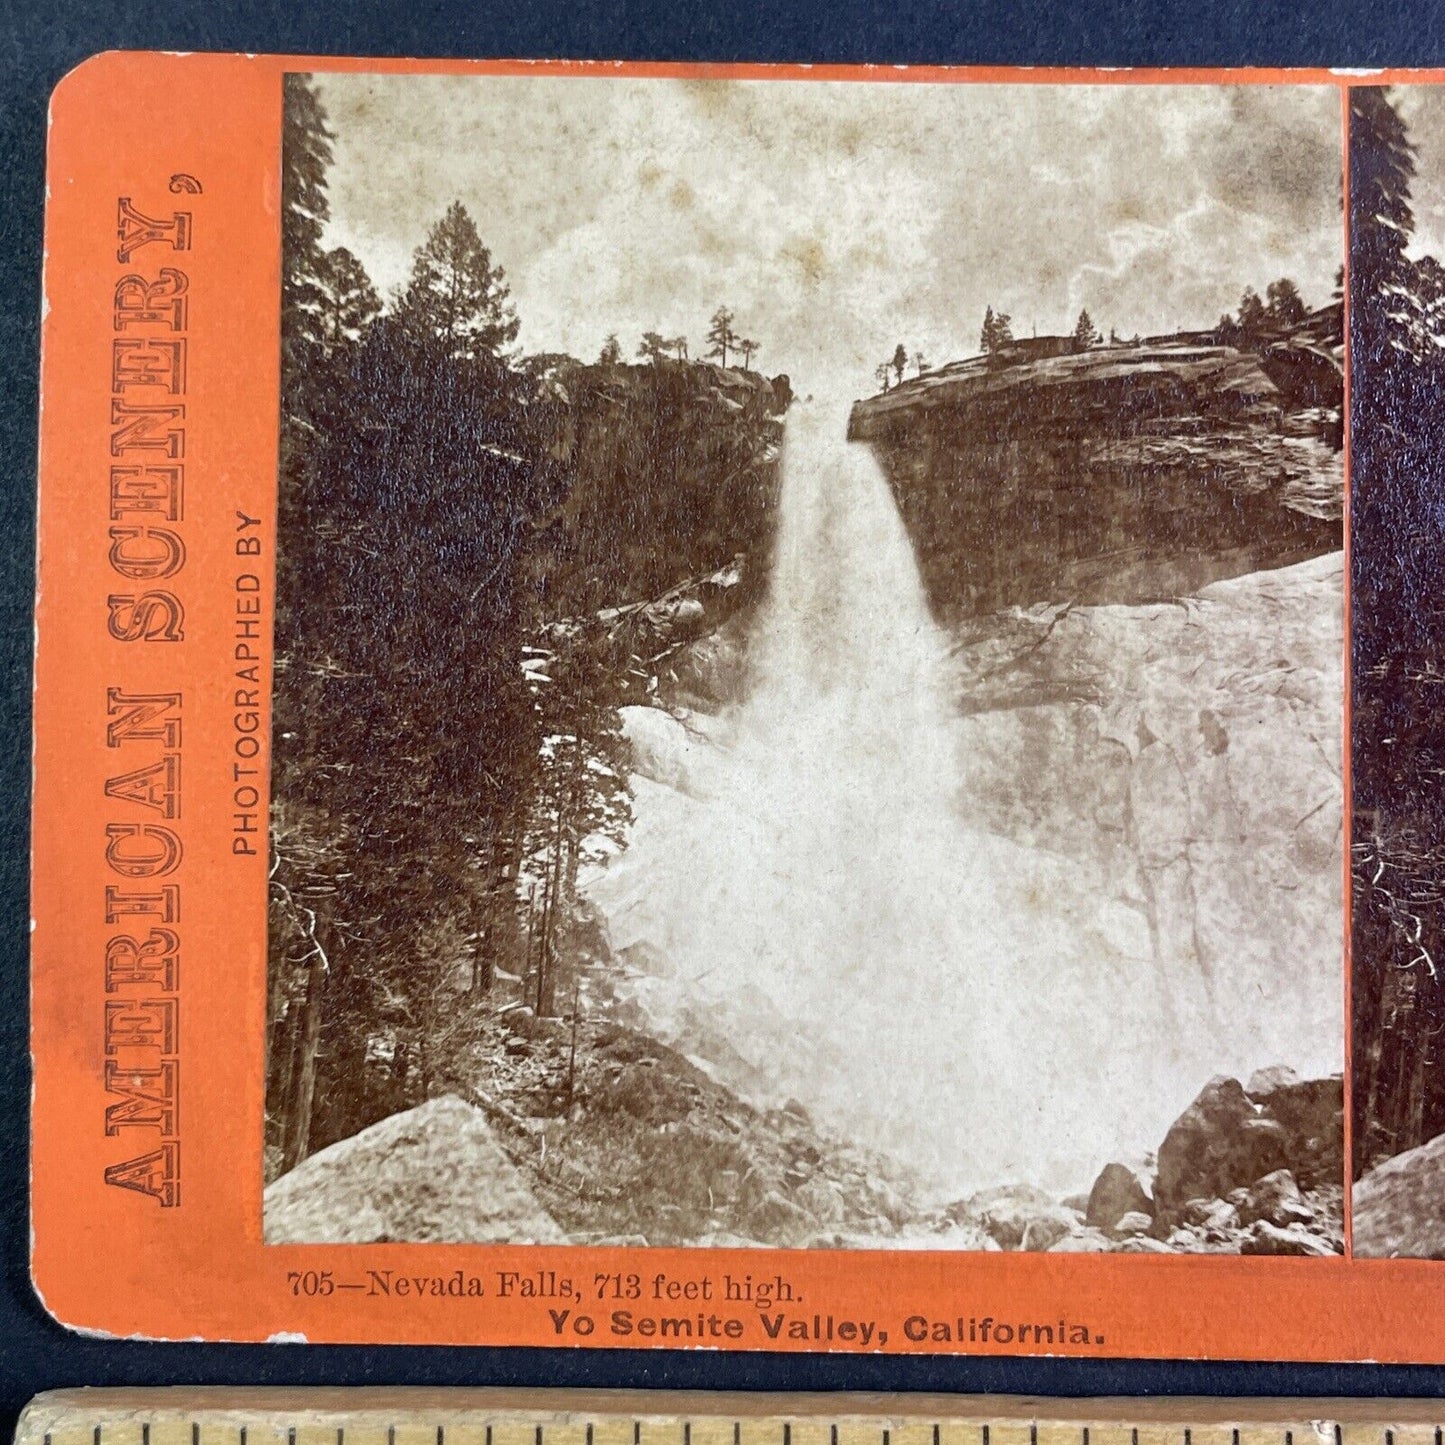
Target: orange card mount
761,708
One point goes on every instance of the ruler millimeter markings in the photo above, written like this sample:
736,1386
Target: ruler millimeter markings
186,1416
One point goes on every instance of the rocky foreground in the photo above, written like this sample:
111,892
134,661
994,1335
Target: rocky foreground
1250,1169
1399,1206
629,1142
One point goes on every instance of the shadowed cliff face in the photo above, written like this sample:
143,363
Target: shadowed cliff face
671,475
1123,474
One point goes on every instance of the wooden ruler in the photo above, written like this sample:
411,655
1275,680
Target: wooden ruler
188,1416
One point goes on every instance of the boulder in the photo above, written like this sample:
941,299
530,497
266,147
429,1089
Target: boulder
1134,1222
883,1198
1142,1244
777,1219
1018,1216
823,1200
1267,1238
1219,1143
1210,1214
1188,1239
710,672
1399,1206
1312,1113
1117,1191
434,1174
998,1194
1276,1198
1083,1241
1263,1082
1046,1230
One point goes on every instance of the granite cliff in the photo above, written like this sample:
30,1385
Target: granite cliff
1128,473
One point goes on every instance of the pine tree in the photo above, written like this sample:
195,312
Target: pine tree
747,349
899,362
305,155
1382,220
582,797
302,979
1284,307
1085,334
1397,442
997,331
611,353
721,338
456,297
652,347
1253,316
348,300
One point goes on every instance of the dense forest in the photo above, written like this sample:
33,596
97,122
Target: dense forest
1397,332
461,610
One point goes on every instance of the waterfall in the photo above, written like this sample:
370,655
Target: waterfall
820,901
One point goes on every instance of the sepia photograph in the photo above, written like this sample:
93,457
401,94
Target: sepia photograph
1397,298
810,665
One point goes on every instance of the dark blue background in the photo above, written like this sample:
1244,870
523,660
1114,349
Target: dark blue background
37,45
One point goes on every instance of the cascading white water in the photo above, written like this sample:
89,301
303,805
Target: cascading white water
816,891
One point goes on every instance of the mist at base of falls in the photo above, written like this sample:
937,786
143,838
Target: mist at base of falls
816,892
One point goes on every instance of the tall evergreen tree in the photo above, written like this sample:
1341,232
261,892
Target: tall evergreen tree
1283,303
1382,168
652,347
1397,634
1253,316
299,939
997,331
305,155
721,338
456,296
1085,334
582,796
348,302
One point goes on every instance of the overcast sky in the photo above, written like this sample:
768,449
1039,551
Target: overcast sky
838,219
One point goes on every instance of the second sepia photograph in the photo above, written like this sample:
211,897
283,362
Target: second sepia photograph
1397,356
